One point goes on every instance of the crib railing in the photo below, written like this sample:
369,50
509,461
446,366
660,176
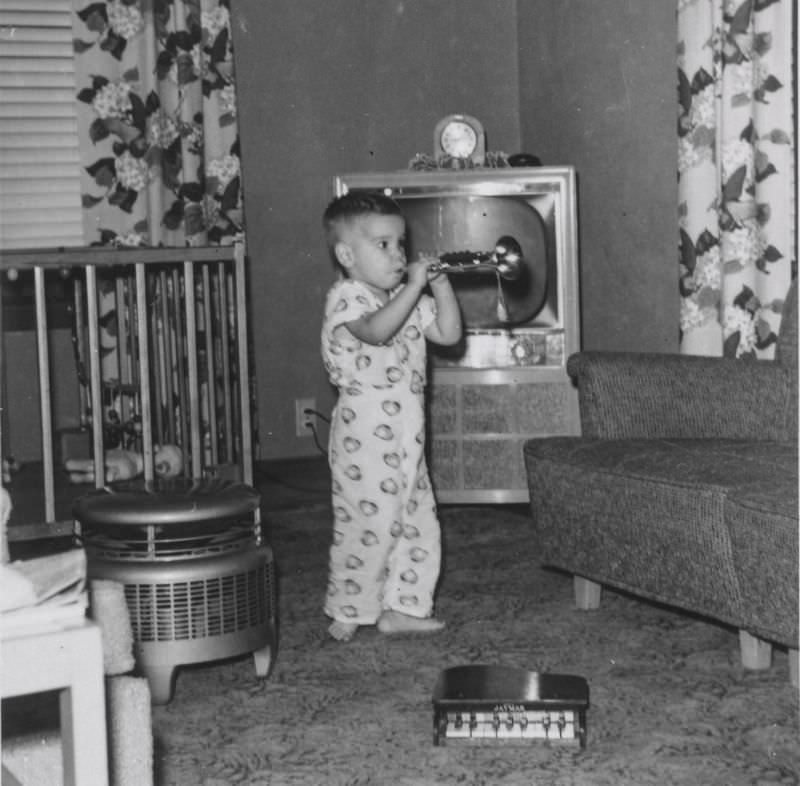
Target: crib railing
161,354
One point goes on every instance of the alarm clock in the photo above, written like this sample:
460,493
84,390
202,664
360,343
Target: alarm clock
460,136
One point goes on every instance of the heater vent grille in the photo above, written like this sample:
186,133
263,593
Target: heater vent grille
197,609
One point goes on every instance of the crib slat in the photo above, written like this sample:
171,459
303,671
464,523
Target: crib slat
180,353
123,368
79,339
194,383
45,410
246,458
95,392
211,387
144,371
222,306
168,363
157,367
131,342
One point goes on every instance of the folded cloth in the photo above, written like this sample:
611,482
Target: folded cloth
57,579
16,590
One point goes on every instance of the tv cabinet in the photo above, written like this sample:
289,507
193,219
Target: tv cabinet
478,421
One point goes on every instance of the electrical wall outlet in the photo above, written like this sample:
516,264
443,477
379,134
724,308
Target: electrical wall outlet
305,417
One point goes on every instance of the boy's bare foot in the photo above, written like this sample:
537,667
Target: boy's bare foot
342,631
394,622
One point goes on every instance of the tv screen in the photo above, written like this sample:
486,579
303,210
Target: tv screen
444,225
514,318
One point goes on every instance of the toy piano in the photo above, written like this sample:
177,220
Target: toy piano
496,703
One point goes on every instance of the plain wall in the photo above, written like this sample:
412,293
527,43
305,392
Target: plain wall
597,91
341,86
22,437
358,85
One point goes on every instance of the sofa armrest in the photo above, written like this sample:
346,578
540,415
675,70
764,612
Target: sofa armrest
648,395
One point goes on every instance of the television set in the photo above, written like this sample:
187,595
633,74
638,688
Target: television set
508,239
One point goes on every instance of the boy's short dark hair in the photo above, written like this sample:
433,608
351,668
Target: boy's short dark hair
349,207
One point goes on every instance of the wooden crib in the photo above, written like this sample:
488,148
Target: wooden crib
160,344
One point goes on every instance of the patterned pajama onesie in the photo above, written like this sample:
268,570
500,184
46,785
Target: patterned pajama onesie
386,545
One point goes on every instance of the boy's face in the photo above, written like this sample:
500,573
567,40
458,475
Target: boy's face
372,250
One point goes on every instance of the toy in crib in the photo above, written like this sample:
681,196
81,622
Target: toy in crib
168,461
9,465
119,465
127,464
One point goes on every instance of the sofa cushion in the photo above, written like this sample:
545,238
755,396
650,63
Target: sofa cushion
786,353
763,526
648,516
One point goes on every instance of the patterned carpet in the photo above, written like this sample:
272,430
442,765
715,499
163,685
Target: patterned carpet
670,703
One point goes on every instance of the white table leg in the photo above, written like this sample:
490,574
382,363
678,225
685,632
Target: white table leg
70,660
81,724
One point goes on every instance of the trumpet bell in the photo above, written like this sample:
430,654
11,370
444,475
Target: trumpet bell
505,260
508,258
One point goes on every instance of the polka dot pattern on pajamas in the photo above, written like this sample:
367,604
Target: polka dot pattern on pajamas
385,551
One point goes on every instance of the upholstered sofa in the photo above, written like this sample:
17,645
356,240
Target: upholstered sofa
682,487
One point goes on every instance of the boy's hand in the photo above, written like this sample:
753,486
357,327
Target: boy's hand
431,262
446,328
417,272
436,278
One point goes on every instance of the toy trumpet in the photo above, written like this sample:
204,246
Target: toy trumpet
505,260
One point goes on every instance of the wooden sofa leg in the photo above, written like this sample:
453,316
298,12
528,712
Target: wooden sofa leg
587,593
756,653
794,665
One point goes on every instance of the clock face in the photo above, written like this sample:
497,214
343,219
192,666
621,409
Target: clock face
461,139
458,139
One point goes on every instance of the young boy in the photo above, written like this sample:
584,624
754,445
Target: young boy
385,555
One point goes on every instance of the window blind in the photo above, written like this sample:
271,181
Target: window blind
40,190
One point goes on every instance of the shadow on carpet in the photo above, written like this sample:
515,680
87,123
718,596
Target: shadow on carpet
669,701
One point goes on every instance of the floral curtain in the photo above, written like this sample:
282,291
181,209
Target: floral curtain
157,122
735,173
159,149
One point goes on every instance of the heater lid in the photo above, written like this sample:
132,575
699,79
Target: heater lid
176,501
